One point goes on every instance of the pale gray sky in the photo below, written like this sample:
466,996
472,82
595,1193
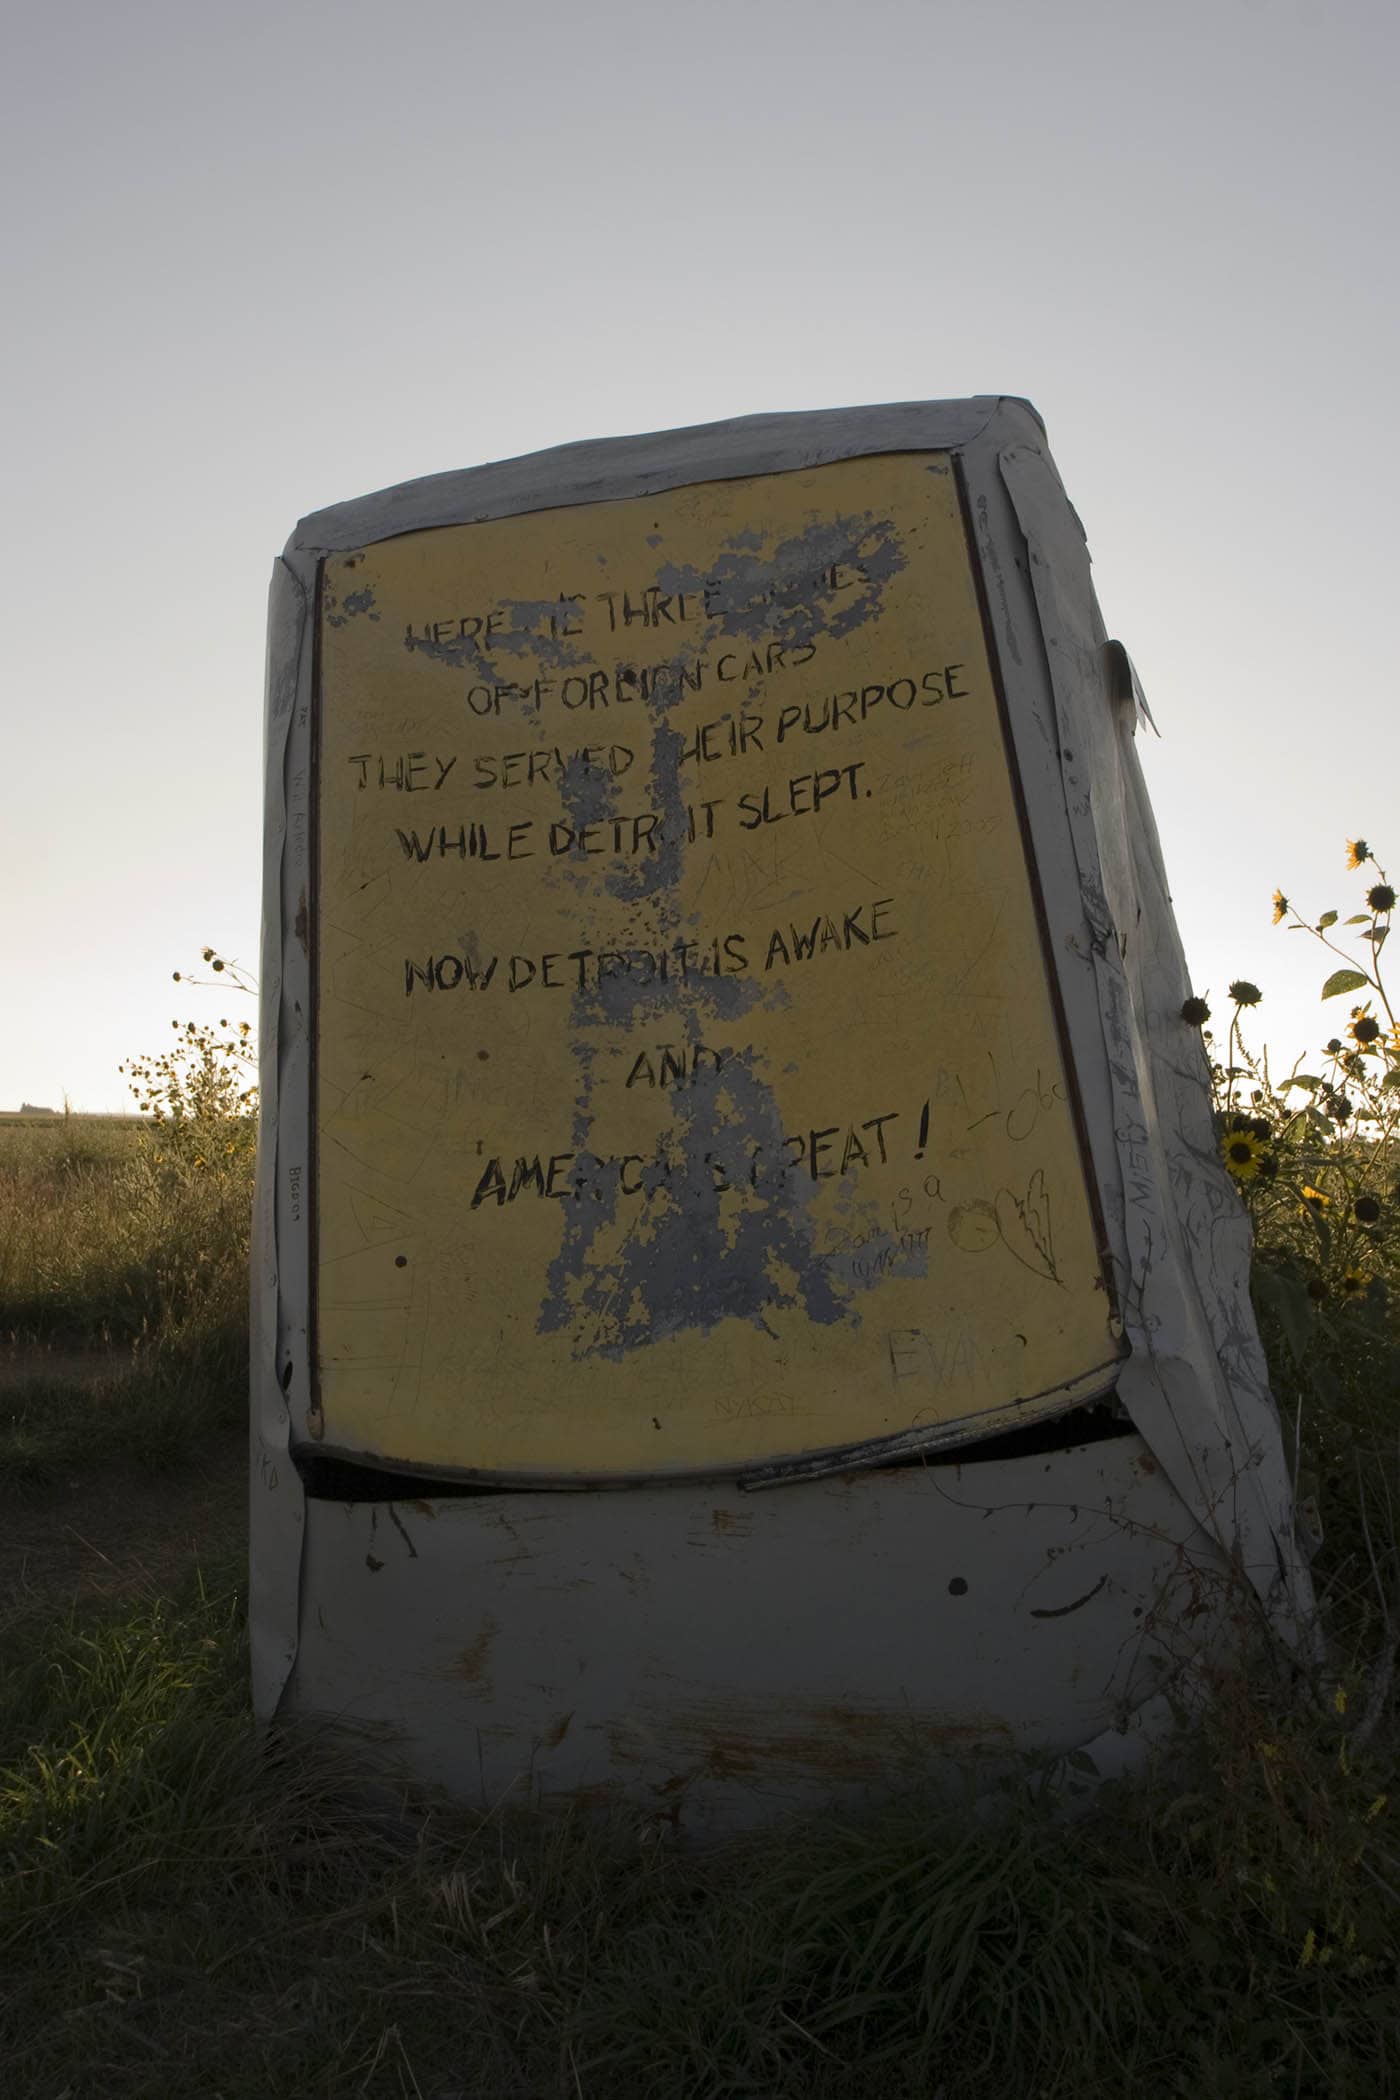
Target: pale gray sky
263,257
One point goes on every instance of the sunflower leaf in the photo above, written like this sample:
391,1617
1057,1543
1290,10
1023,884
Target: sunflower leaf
1344,981
1329,918
1359,918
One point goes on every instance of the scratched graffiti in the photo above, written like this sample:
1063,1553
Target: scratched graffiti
684,1028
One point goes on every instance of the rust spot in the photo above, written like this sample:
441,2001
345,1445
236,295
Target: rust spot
471,1664
301,924
730,1760
424,1509
855,1720
1147,1463
729,1520
557,1730
832,1743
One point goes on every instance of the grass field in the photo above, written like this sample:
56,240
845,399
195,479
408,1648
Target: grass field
184,1911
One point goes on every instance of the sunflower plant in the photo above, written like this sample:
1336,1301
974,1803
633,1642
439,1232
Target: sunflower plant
201,1092
1315,1157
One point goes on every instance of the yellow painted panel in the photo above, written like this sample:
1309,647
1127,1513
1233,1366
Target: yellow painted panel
689,1090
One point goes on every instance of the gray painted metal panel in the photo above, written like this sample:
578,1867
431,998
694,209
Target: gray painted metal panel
607,470
1195,1381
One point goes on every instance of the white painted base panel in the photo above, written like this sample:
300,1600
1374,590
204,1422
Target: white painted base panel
718,1659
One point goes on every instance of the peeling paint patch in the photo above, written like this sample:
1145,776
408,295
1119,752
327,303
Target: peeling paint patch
706,1247
695,1261
830,578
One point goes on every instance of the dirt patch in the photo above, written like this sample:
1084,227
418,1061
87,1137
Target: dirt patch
73,1363
121,1533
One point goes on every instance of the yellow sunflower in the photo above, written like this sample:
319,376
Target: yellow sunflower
1242,1153
1355,1283
1314,1200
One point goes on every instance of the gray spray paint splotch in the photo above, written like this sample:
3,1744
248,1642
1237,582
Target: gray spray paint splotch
355,605
785,596
687,1262
788,596
693,1257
